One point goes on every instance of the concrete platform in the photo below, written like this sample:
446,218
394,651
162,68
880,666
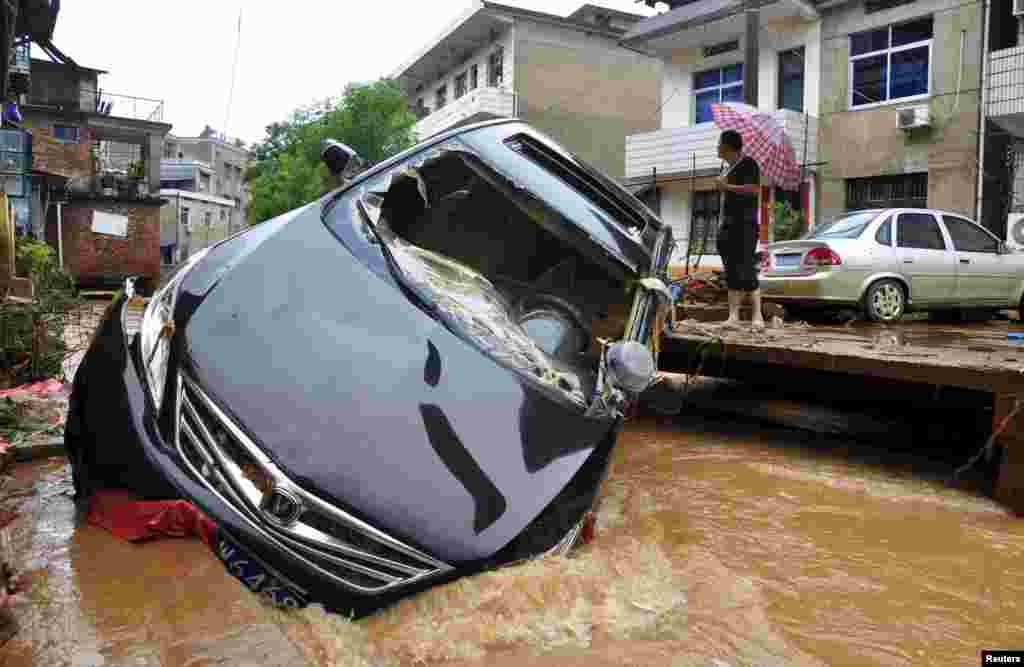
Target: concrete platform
913,361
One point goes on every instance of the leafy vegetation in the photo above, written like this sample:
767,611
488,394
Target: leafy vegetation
787,222
32,334
372,118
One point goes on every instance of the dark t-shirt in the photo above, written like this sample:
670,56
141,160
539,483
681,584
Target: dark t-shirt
742,206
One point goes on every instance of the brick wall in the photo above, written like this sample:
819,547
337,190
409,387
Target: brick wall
88,255
55,157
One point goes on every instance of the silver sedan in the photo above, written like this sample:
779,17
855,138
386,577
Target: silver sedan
889,261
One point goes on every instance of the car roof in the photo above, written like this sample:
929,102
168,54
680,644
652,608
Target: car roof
903,209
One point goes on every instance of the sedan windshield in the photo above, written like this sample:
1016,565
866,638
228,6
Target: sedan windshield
848,227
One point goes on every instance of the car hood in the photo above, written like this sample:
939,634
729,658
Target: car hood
365,400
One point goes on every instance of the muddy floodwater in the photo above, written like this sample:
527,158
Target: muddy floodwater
717,543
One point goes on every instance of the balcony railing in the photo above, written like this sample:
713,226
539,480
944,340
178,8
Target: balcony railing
495,101
678,150
104,103
1006,82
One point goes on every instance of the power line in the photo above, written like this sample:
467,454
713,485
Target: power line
234,74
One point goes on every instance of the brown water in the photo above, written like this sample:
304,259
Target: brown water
717,544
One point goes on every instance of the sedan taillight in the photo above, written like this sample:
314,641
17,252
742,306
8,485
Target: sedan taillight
822,257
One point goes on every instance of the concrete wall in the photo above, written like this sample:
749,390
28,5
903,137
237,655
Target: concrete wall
585,91
782,34
224,221
860,143
229,164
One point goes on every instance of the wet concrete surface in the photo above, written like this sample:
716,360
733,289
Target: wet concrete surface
95,600
718,543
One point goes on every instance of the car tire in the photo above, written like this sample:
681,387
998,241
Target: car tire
885,301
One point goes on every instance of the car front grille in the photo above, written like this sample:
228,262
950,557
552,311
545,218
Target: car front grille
329,540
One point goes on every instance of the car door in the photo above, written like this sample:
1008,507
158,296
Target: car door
983,276
924,259
883,251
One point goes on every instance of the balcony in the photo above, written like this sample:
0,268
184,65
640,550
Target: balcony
482,102
100,102
1006,88
678,150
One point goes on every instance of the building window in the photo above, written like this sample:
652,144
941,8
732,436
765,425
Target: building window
722,84
872,6
185,223
208,218
890,63
442,97
705,221
791,79
460,85
496,67
904,191
223,215
474,77
68,134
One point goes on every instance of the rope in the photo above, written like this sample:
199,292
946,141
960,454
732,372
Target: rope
989,448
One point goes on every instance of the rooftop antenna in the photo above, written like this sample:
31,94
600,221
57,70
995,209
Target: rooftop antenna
234,74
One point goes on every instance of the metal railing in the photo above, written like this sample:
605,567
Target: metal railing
105,103
1005,82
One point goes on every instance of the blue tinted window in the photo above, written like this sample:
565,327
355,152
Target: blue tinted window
870,79
703,103
909,73
866,42
732,73
908,33
707,79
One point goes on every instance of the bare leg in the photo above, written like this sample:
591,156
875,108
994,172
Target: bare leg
757,320
735,300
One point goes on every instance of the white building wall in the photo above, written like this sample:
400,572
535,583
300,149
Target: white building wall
479,57
677,83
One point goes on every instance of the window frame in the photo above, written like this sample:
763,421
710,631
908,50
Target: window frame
76,128
803,76
946,242
460,87
720,87
474,76
889,224
986,232
888,53
710,213
496,56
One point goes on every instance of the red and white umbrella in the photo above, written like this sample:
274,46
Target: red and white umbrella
764,140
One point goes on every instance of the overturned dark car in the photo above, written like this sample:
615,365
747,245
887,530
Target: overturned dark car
419,376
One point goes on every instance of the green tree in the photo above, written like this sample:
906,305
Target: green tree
372,118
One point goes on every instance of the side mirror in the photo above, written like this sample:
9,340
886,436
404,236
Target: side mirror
337,156
1003,249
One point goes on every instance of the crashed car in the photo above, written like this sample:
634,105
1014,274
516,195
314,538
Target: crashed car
417,377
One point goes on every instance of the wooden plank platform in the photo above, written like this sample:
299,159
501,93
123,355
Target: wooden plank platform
977,357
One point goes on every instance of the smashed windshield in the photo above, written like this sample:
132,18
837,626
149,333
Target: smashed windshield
847,227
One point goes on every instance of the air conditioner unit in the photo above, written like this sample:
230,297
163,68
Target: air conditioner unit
1018,8
1015,231
910,118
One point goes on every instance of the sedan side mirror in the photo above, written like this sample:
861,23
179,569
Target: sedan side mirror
337,156
1003,249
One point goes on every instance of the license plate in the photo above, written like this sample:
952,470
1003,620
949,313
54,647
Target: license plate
255,577
787,261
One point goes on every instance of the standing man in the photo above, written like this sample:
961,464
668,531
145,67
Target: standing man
737,235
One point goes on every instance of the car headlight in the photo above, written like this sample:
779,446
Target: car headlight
157,328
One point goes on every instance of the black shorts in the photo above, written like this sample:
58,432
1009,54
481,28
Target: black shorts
737,244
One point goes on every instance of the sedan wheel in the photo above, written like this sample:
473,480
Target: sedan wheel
885,301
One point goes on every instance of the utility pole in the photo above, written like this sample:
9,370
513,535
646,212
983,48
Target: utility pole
750,62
